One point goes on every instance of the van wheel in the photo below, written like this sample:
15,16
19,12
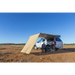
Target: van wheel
56,49
35,47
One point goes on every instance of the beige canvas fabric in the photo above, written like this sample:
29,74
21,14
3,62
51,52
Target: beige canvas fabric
30,43
48,35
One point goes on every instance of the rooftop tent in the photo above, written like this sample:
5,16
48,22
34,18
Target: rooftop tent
32,39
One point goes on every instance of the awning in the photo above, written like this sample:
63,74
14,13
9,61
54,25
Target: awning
47,35
31,41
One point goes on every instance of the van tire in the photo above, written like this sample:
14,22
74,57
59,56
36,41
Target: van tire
56,49
35,47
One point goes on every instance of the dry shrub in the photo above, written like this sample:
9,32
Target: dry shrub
2,48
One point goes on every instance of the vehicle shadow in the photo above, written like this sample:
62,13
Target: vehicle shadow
64,50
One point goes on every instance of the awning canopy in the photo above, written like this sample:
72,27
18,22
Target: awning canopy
47,35
31,41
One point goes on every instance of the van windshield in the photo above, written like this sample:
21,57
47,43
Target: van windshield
57,39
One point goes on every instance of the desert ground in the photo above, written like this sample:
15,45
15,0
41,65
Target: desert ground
12,53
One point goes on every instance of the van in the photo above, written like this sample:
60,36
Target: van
56,41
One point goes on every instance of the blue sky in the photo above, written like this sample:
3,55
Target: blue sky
17,27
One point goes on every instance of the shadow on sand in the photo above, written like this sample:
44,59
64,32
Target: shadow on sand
64,50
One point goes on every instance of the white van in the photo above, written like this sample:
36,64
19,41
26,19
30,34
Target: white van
56,41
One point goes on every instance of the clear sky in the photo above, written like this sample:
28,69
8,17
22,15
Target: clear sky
17,27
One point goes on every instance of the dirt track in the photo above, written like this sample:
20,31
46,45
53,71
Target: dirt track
11,53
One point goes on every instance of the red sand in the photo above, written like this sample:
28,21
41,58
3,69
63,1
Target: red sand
11,53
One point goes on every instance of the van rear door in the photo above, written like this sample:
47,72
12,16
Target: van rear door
59,42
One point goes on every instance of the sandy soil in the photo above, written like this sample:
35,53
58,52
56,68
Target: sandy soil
12,53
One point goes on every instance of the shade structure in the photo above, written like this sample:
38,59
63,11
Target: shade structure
32,39
47,35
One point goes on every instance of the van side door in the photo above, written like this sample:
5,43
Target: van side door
42,41
38,44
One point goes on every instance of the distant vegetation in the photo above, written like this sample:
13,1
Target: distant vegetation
12,44
25,43
70,44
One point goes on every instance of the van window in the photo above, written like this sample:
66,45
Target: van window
51,39
57,39
39,41
43,40
48,40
